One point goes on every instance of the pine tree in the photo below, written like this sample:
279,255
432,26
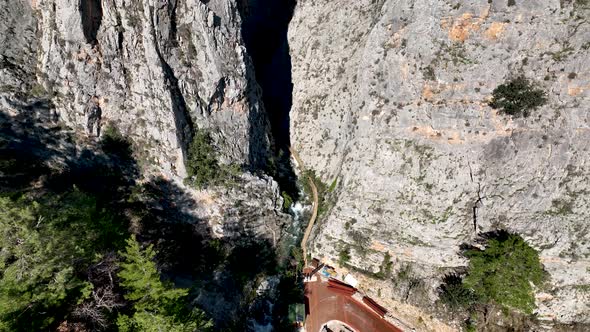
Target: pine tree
504,271
37,258
158,305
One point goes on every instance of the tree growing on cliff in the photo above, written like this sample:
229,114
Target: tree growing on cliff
517,97
202,166
43,247
502,273
157,305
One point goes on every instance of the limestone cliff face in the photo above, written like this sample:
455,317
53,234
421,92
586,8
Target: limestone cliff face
17,55
390,97
157,70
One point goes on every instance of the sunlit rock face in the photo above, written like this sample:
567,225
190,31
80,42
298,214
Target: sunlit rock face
156,70
391,98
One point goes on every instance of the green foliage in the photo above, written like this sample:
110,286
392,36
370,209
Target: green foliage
202,166
517,97
113,142
287,200
504,271
333,185
41,249
325,200
37,90
455,294
428,73
385,268
344,256
157,305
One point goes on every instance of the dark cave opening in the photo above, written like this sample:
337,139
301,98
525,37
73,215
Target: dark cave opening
264,29
91,13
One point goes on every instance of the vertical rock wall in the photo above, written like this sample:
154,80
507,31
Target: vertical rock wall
158,69
391,98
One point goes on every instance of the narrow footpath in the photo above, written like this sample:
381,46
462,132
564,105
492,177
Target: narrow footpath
314,213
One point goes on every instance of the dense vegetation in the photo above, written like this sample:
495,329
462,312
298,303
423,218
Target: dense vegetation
202,165
42,249
517,97
501,274
85,246
157,306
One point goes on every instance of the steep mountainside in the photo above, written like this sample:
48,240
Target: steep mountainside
156,69
151,73
391,99
386,101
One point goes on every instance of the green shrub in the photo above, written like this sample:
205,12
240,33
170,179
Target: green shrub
157,305
113,142
202,166
385,268
37,90
44,246
344,256
454,294
325,200
502,273
287,200
517,97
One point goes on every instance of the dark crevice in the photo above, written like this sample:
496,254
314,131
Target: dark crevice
119,29
182,120
172,6
477,204
218,96
91,13
264,30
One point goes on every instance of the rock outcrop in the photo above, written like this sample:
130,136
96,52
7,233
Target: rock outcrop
157,70
389,103
391,99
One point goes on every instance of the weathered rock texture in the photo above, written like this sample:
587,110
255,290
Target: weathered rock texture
390,97
157,70
17,54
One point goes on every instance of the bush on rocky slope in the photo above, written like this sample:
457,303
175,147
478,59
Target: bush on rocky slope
157,305
517,97
500,274
203,167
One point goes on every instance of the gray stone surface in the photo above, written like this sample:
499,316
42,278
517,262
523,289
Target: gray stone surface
390,97
17,37
158,69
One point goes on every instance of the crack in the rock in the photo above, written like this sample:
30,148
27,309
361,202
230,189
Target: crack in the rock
476,206
91,15
182,119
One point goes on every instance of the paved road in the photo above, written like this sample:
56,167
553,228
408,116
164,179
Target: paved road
314,213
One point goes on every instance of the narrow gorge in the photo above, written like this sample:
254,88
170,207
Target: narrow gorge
184,144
